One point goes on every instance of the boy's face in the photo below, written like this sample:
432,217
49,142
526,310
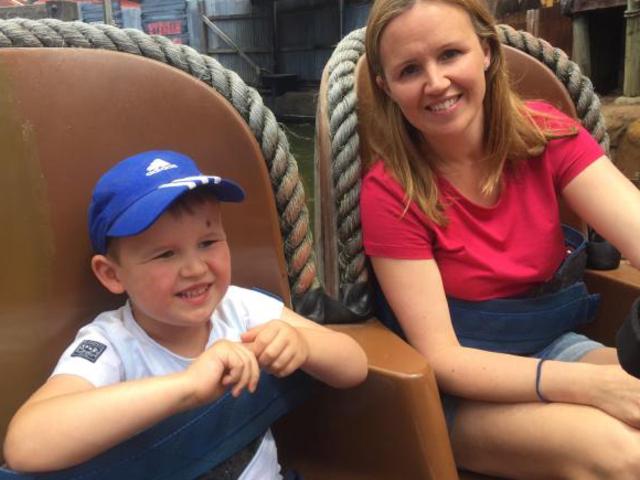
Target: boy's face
176,272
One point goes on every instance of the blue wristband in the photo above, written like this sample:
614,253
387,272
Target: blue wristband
541,397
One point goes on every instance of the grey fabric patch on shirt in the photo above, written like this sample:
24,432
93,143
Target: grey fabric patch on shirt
89,350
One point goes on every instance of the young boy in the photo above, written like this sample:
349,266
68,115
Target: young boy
184,336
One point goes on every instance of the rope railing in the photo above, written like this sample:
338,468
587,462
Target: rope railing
568,72
343,122
342,116
283,169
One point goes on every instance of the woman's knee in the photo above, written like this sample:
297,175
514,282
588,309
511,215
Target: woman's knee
612,455
570,442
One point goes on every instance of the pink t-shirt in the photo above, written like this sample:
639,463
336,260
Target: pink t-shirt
483,253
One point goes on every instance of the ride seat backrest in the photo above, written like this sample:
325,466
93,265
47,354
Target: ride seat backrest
66,115
530,78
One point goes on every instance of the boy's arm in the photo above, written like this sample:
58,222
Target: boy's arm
294,342
68,420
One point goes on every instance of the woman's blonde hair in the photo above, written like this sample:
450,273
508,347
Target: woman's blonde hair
511,134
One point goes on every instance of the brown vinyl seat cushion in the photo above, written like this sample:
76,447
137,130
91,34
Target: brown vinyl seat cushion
66,115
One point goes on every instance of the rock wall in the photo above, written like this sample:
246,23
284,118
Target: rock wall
623,125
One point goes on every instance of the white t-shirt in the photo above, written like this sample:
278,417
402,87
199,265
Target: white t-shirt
113,348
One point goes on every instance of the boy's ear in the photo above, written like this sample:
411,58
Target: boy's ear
105,269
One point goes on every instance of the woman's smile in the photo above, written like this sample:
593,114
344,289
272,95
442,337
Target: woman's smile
437,80
444,106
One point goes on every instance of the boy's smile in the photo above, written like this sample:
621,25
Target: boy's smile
175,273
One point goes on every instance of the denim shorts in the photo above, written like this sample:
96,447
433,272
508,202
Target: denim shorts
568,347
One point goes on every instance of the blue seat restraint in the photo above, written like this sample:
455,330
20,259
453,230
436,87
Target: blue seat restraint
526,324
522,325
191,443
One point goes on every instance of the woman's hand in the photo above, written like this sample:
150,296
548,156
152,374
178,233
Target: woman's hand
617,393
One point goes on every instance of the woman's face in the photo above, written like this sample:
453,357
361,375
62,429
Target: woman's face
434,64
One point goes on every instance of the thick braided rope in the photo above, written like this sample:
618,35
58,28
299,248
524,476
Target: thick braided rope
346,165
568,72
345,142
283,169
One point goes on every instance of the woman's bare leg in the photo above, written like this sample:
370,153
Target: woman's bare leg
601,356
544,441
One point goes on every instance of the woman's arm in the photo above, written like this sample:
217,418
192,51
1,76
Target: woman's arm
414,290
604,198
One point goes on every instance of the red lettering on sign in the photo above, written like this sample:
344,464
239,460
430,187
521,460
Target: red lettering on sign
170,27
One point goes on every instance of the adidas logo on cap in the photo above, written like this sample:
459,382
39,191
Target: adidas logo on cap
158,165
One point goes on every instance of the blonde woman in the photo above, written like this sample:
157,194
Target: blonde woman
460,221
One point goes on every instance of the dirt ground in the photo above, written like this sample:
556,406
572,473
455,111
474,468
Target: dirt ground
623,125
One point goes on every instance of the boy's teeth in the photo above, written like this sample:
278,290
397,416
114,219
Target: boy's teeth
194,293
444,105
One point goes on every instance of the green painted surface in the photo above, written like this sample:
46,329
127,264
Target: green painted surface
300,136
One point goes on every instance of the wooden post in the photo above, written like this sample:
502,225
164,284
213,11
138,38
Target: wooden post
203,35
532,20
274,42
631,86
108,12
581,53
341,18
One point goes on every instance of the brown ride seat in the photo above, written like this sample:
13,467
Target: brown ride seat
67,115
426,441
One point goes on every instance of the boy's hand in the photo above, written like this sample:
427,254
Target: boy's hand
278,346
223,364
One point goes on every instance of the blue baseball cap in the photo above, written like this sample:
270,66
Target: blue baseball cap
131,195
